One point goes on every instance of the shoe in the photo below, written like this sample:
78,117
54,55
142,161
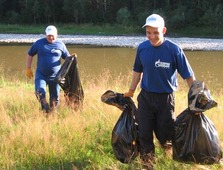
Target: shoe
168,151
46,108
148,161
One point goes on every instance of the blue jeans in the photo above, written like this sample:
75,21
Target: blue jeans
41,82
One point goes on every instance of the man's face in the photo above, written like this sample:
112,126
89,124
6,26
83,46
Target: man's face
50,38
155,35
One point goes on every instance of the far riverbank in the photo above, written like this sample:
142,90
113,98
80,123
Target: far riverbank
191,44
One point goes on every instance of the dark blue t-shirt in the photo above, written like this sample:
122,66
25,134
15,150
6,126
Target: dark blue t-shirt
160,66
49,55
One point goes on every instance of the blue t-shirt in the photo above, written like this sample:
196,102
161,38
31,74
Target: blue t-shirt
49,55
160,66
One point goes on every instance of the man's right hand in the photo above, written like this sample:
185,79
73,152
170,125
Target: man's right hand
130,93
29,72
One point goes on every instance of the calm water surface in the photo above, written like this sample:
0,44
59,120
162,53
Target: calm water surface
93,61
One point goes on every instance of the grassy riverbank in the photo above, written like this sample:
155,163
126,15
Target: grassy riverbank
86,29
73,140
108,29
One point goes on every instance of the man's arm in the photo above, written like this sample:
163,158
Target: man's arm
29,72
190,81
136,77
29,61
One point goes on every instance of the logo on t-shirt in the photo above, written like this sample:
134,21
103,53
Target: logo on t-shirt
162,64
56,51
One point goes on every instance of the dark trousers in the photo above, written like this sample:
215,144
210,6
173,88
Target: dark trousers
155,115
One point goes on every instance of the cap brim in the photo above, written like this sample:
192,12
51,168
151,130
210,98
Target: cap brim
152,25
51,33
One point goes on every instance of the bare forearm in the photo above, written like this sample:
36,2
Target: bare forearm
190,81
136,77
29,61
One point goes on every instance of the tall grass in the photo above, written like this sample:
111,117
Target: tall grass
68,139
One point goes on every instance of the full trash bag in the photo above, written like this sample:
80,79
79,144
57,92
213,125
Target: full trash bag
69,80
125,132
195,137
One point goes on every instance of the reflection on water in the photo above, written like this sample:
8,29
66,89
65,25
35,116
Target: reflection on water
92,61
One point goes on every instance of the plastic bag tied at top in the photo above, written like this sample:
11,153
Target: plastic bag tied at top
199,98
124,134
195,137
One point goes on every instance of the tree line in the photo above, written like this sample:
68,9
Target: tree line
177,13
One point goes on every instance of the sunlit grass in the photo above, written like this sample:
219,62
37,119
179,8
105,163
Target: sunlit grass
70,139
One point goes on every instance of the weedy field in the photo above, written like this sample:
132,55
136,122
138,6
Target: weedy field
69,139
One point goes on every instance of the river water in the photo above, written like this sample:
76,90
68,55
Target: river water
94,60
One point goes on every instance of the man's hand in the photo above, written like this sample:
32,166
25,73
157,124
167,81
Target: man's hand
73,55
130,93
29,72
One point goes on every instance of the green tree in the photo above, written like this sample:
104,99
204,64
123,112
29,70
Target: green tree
74,11
26,11
177,13
218,17
123,16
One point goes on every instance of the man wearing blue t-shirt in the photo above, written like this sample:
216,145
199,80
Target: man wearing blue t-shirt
49,51
157,63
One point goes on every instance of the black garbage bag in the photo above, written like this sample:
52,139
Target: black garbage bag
69,80
196,139
125,132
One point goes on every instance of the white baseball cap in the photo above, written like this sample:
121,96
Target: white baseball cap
154,20
51,30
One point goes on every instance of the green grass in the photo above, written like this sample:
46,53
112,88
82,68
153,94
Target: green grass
197,32
85,29
70,139
108,29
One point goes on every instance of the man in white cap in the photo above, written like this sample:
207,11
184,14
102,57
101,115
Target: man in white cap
49,51
157,62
